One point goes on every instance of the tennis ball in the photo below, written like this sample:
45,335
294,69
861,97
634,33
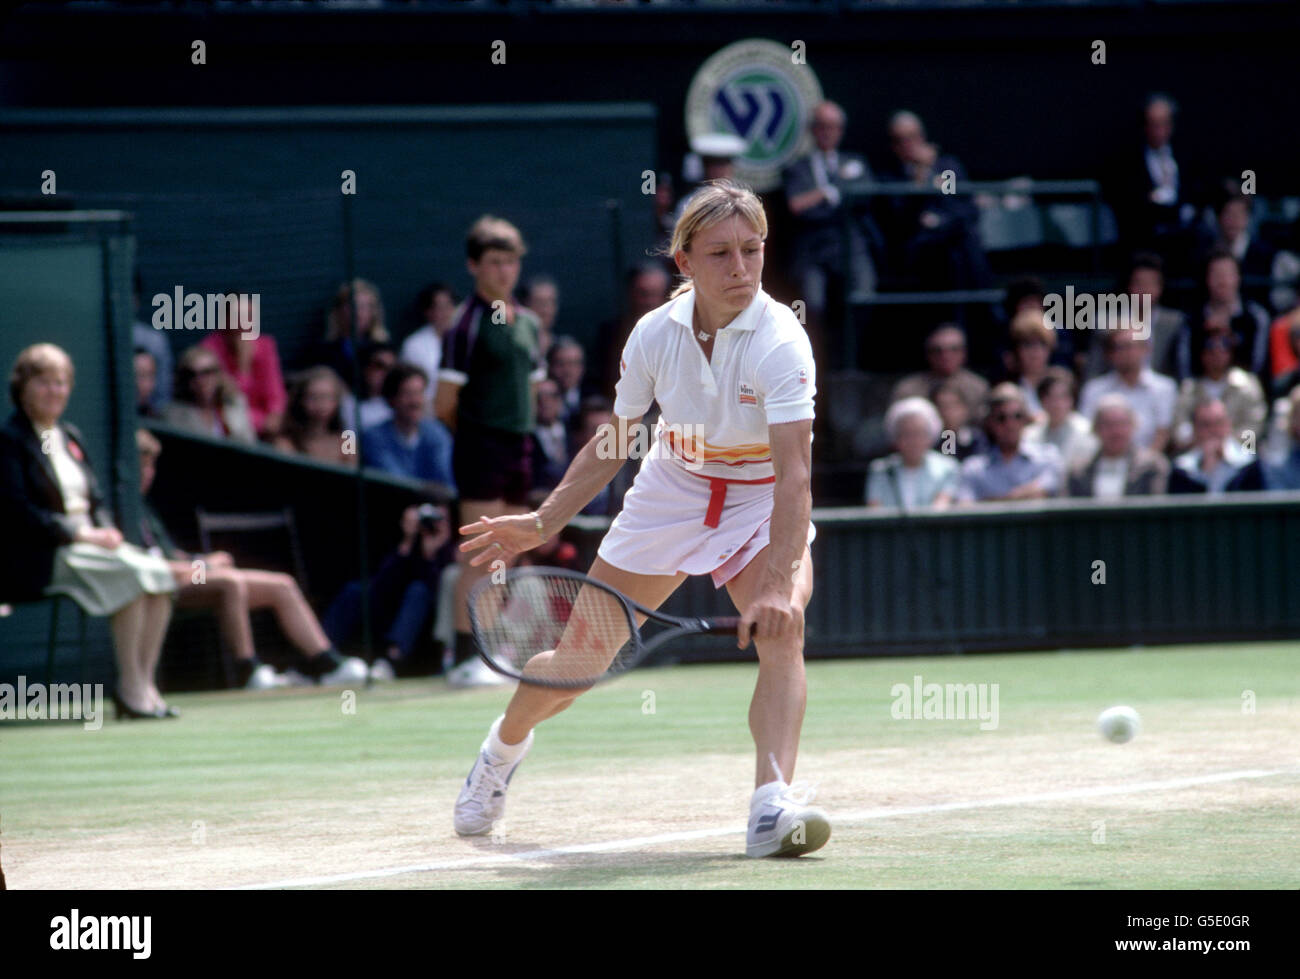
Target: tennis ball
1119,724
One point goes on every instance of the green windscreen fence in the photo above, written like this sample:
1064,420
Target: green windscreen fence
253,200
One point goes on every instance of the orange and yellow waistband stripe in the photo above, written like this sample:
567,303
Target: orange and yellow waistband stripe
698,450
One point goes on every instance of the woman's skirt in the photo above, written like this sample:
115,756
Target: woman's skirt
661,529
103,582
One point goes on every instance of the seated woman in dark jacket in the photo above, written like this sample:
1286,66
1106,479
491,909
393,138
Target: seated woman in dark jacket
53,514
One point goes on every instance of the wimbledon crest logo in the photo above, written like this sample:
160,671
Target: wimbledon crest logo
754,90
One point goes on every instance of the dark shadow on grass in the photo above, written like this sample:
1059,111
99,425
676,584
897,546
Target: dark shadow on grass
588,870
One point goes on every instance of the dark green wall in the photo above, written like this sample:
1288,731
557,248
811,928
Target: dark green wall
250,200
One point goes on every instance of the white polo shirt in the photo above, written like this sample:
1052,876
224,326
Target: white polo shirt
715,412
1152,398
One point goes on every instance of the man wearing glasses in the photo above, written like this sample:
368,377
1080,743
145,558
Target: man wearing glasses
945,350
1011,469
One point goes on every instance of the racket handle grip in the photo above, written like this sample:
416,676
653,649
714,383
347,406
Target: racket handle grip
726,625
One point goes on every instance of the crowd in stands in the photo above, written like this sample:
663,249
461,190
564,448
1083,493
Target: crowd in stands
490,397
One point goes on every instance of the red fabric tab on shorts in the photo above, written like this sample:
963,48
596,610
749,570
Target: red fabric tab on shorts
718,494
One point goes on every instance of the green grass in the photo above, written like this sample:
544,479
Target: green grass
259,788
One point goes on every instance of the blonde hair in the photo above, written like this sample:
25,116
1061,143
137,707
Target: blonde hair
716,201
342,298
34,361
1030,325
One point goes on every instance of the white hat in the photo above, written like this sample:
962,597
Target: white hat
724,146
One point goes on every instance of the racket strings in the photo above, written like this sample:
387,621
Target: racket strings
554,628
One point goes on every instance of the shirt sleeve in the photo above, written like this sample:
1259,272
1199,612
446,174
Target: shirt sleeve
635,389
787,382
454,366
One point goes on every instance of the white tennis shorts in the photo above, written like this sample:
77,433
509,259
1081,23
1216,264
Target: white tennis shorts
661,529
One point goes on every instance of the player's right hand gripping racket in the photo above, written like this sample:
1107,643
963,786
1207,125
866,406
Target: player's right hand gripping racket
557,628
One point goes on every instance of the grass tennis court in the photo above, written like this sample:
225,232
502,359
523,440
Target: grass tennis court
285,788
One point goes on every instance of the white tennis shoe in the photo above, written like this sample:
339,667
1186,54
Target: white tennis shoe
781,823
483,799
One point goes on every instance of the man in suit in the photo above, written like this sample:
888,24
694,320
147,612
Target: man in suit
932,239
813,190
1156,212
1119,468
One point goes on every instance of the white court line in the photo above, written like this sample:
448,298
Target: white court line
839,819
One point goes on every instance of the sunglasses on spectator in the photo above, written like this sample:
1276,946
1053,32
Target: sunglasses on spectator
204,371
946,348
1008,416
1218,343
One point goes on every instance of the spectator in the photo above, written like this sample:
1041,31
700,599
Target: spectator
1118,467
146,382
437,305
1026,293
59,532
1224,308
967,438
1283,472
646,289
1032,342
542,296
377,359
490,362
207,401
550,438
402,591
235,592
1063,427
566,364
146,337
813,190
1152,395
1219,380
342,344
1146,277
409,444
945,350
1011,469
712,157
313,425
933,239
1217,458
1155,212
1284,351
914,476
1232,233
250,358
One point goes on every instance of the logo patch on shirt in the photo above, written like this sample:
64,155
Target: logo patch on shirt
747,395
803,375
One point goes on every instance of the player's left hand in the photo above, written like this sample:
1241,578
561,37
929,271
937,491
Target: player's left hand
772,615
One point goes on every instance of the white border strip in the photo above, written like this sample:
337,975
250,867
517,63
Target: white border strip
862,815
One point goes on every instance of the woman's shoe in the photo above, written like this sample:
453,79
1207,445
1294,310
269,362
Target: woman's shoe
126,710
164,711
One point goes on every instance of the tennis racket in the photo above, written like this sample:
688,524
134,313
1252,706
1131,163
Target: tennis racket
552,627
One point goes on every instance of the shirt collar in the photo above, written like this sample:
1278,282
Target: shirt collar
683,311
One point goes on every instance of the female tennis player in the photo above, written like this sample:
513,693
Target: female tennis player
724,490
